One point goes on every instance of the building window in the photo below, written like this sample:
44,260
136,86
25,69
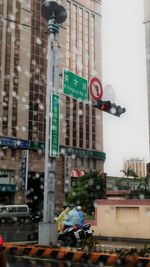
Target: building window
16,73
94,164
80,43
93,129
7,70
86,46
67,121
87,126
92,44
68,33
3,154
74,39
81,124
38,65
13,154
1,24
74,122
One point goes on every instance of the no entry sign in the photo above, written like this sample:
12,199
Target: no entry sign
95,88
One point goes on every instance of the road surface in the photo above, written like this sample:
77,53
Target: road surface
25,262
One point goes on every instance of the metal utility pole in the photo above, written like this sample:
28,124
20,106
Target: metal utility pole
54,14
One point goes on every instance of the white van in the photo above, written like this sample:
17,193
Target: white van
19,213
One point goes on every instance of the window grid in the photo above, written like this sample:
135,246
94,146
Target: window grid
87,126
1,25
86,46
93,127
92,44
16,73
92,57
74,122
81,124
82,42
67,121
7,72
74,39
38,65
68,33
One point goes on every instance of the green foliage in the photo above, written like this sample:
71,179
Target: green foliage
143,189
89,243
139,194
89,217
130,173
144,184
122,184
86,189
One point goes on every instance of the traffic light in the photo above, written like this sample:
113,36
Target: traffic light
109,107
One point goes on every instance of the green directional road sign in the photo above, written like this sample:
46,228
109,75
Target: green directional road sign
54,147
75,86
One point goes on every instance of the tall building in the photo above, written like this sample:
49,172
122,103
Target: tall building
23,68
147,38
137,165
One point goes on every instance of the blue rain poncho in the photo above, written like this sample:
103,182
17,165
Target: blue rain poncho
73,218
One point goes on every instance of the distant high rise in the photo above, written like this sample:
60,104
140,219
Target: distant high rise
147,35
23,66
137,165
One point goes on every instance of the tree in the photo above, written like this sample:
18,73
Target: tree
121,184
143,189
86,189
144,184
130,173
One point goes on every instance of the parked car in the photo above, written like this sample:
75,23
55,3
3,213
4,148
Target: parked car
10,213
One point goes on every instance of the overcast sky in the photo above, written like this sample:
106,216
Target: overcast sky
124,67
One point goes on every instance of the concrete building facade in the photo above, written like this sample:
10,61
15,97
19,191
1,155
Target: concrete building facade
122,218
137,165
23,68
147,38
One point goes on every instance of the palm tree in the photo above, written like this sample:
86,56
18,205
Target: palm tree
130,173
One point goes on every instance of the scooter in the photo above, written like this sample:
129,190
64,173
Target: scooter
73,235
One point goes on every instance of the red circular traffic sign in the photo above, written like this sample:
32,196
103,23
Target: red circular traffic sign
95,88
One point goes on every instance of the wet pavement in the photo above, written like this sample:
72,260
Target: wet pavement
19,232
25,262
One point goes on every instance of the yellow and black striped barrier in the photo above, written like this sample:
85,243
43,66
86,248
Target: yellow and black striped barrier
75,256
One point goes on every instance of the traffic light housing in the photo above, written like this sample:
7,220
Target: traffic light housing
109,107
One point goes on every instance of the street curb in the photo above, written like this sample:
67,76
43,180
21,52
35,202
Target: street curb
123,239
74,255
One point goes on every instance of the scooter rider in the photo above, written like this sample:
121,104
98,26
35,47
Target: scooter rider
72,219
62,217
81,215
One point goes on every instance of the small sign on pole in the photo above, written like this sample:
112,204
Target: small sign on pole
95,88
54,137
24,169
75,86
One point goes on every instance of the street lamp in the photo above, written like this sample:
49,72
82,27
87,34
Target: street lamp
54,13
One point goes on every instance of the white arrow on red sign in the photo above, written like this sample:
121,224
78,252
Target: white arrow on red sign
95,88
